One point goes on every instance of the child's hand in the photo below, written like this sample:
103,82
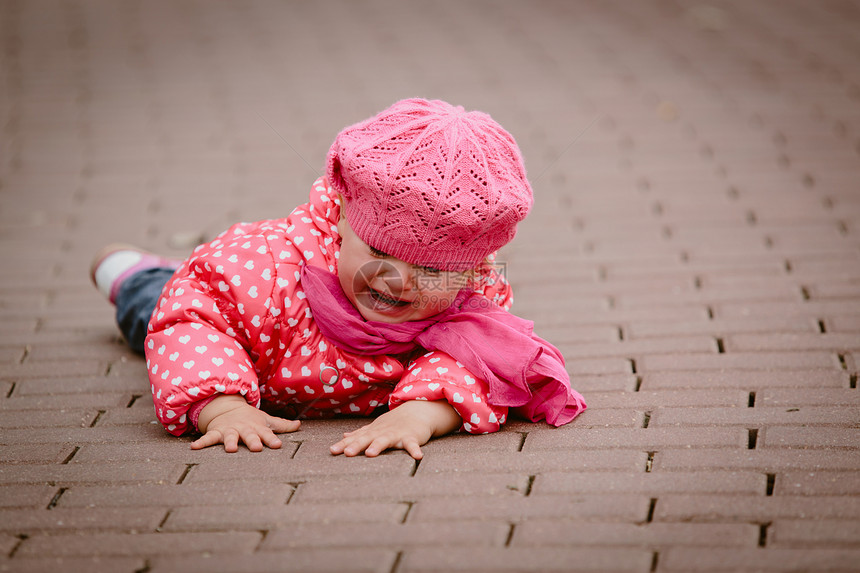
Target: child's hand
229,418
407,427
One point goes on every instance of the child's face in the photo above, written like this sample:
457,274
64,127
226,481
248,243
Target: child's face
386,289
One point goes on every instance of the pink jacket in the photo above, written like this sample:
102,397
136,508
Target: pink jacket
234,320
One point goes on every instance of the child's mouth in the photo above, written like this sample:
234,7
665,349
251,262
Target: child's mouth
385,299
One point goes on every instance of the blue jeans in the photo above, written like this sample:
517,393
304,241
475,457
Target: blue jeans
135,302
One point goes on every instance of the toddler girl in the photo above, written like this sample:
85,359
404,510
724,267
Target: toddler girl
378,295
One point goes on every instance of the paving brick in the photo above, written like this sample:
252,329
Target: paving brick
772,460
644,439
178,451
526,559
610,382
795,437
29,522
756,509
699,559
241,491
411,488
720,327
810,308
94,383
607,418
707,296
640,347
597,367
144,544
44,419
52,369
615,507
755,417
59,401
794,341
531,462
331,559
259,517
816,483
127,472
462,442
74,564
23,453
479,533
668,398
800,379
808,396
653,483
33,496
87,435
548,532
843,323
794,533
738,361
276,464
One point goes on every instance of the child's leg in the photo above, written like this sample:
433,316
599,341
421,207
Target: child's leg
135,301
132,279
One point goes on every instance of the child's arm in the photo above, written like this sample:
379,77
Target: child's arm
229,418
407,427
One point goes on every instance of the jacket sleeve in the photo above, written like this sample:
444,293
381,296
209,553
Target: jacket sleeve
437,376
209,326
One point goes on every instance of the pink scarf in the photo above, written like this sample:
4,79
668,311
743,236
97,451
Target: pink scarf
522,370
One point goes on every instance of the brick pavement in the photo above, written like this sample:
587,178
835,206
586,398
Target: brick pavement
693,250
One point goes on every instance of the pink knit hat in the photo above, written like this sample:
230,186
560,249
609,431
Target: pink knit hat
430,183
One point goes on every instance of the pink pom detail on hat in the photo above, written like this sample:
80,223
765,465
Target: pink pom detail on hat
430,183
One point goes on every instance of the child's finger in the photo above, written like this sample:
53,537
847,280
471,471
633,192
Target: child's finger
231,441
413,448
378,445
271,440
252,440
282,425
356,445
210,438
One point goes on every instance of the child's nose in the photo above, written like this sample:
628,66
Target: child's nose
400,277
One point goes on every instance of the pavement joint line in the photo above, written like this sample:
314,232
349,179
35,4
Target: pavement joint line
71,455
762,533
752,438
522,442
652,505
22,537
97,417
396,564
294,489
649,462
510,536
161,523
529,485
298,444
655,560
415,465
409,505
185,472
54,500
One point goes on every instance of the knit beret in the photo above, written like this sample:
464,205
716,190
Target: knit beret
430,183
